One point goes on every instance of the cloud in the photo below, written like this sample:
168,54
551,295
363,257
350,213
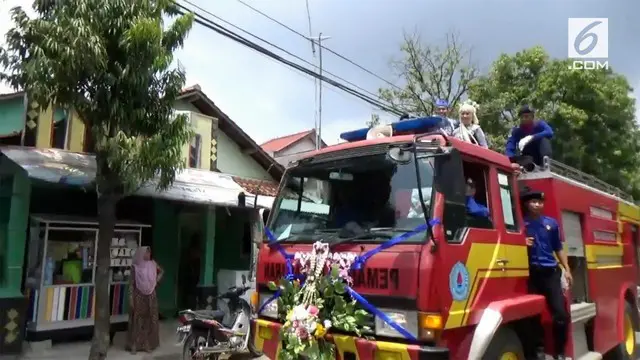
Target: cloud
268,99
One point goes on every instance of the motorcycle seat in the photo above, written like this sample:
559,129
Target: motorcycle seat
217,315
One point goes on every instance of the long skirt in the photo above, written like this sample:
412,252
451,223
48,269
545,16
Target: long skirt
143,333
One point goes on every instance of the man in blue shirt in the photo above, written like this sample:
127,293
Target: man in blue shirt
543,240
442,110
531,138
473,208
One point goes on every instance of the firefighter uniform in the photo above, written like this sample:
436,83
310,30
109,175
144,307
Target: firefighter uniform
544,273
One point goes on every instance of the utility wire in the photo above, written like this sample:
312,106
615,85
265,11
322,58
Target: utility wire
201,20
275,46
322,46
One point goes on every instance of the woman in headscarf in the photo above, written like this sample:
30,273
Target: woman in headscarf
469,130
143,333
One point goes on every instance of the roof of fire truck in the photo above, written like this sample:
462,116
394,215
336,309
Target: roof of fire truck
405,131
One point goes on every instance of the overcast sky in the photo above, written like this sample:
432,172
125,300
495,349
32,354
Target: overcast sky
268,99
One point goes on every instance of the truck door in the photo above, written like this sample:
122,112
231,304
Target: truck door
514,259
468,257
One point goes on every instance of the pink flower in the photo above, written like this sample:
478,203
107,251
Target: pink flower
295,324
313,310
301,332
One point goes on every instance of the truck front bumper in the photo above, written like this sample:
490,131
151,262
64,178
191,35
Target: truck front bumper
266,337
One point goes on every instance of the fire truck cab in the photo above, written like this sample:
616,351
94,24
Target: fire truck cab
460,287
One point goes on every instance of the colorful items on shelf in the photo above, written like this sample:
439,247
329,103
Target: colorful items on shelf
65,303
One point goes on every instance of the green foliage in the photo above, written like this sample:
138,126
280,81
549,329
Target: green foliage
110,61
429,73
590,111
374,121
330,298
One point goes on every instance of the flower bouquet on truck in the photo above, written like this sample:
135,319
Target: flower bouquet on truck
309,307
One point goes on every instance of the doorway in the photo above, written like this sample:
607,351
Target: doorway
191,228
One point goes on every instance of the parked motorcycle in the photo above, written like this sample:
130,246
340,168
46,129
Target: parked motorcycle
207,334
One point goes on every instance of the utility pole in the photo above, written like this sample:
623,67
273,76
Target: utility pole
319,41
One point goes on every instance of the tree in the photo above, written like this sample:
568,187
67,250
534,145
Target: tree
429,73
590,111
375,120
110,60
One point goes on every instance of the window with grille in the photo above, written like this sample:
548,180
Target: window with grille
194,151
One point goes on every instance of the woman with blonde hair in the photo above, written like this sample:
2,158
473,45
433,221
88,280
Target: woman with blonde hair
469,130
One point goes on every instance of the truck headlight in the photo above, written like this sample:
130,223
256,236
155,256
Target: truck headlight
405,319
271,309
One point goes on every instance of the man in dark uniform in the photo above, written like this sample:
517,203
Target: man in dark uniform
531,138
543,240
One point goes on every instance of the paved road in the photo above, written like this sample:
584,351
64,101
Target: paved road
80,351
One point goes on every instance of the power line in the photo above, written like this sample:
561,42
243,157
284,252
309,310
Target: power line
324,47
199,19
210,24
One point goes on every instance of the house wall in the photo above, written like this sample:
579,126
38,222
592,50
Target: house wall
232,160
202,125
75,141
306,144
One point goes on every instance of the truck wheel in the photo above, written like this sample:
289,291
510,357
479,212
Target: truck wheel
627,350
505,345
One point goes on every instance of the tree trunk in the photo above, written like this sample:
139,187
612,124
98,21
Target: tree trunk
107,221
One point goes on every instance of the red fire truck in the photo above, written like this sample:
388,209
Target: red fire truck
460,287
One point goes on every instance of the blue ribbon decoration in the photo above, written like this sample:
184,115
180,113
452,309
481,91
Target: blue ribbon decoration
357,265
273,243
372,309
269,300
362,259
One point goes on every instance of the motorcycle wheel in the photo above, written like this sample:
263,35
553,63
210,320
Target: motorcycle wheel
191,344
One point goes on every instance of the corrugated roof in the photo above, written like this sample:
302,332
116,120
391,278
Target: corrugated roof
283,142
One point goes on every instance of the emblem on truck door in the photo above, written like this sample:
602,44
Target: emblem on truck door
459,282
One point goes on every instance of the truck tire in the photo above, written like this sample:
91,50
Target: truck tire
627,349
505,345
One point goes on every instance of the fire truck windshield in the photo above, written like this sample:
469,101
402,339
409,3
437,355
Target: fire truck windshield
350,198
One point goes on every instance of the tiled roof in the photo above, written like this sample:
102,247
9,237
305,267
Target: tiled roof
282,142
257,187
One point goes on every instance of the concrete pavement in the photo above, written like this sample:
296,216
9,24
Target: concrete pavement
168,350
80,350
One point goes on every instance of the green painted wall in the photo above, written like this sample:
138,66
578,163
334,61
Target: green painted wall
166,248
14,213
12,116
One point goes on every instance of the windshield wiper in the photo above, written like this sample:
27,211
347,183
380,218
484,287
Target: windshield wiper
382,232
311,233
365,235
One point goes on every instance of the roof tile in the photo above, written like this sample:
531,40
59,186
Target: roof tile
282,142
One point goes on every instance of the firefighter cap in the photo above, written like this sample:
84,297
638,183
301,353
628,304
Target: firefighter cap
526,109
442,103
527,194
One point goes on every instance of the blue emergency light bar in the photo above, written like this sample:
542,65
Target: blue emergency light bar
403,127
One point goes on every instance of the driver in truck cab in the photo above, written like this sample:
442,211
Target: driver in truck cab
473,208
544,244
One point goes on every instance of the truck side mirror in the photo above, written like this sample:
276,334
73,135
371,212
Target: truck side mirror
449,181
